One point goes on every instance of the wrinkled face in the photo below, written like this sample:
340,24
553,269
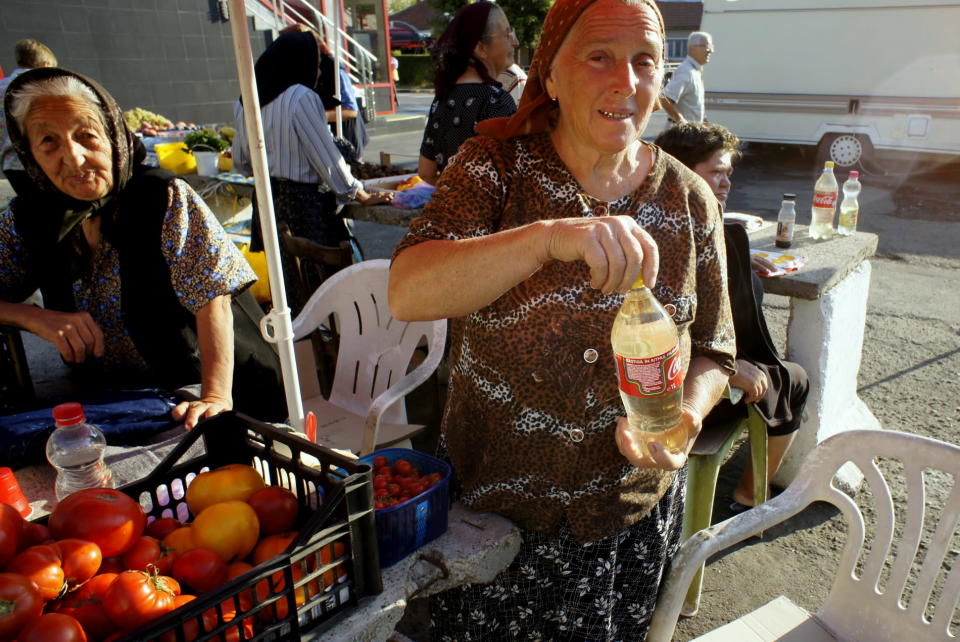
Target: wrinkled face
69,143
606,76
496,50
717,171
701,52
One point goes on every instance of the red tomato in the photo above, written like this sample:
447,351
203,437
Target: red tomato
34,534
53,627
380,461
20,602
201,569
236,569
385,471
393,489
403,467
191,627
162,527
135,597
111,565
80,560
268,548
381,481
41,564
435,478
86,605
11,530
276,509
148,551
105,516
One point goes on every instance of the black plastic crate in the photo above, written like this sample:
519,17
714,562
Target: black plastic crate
335,551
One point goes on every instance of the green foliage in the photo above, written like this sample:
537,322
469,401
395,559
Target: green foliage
415,70
396,6
205,140
525,16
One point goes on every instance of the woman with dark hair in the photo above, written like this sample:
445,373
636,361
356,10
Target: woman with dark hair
308,176
141,286
475,47
777,388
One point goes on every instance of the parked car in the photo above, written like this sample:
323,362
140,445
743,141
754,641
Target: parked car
407,38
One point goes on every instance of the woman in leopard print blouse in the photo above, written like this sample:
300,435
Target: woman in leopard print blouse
535,232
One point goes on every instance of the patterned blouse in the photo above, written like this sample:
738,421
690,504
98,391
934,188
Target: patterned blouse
533,397
452,121
203,262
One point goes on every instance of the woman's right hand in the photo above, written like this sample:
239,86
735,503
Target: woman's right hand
75,334
616,249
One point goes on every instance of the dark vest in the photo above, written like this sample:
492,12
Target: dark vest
163,331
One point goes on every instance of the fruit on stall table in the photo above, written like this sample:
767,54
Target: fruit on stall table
230,482
20,602
34,534
79,559
148,551
53,627
111,565
105,516
396,484
268,548
11,530
136,117
276,509
201,569
162,527
41,565
180,541
136,597
229,528
86,604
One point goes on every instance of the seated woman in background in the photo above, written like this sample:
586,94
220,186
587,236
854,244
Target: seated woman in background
475,47
308,176
141,285
778,389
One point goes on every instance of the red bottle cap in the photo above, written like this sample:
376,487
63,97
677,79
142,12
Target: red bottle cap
854,174
68,414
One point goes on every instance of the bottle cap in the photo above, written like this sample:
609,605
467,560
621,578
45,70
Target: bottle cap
638,283
854,174
789,197
828,165
68,414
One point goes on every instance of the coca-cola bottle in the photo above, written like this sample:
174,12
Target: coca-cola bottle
646,349
824,203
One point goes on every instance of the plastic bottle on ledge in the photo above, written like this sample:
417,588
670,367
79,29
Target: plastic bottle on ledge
850,207
646,349
786,220
75,449
824,203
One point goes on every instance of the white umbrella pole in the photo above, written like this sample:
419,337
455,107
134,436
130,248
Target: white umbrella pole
338,90
275,326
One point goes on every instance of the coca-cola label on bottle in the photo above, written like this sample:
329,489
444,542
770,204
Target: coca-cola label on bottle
650,376
825,199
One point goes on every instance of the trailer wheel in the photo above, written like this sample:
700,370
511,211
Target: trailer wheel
848,151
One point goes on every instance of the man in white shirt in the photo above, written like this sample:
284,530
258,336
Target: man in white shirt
682,98
512,80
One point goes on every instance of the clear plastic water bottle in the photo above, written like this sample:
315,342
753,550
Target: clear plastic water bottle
75,449
824,203
646,349
850,207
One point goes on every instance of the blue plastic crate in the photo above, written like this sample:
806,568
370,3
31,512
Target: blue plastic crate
404,528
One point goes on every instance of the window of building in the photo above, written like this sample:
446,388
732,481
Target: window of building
676,49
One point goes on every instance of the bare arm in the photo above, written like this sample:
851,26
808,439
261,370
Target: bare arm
671,108
215,335
427,170
442,279
75,334
346,114
702,388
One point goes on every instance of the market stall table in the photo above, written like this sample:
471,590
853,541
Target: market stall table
828,308
474,549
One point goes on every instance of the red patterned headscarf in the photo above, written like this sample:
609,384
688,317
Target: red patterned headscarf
533,113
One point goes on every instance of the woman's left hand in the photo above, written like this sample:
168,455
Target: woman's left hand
193,411
632,448
378,198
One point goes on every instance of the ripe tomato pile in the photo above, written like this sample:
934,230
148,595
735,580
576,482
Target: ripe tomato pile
396,484
98,570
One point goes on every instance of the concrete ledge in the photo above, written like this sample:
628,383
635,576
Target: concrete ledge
396,124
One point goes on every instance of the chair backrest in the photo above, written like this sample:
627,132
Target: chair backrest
896,584
375,350
315,263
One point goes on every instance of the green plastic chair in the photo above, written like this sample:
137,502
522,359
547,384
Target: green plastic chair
707,455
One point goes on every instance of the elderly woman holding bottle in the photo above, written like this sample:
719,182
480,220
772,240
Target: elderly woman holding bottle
538,227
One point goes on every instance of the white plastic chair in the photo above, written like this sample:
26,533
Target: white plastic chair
366,407
860,607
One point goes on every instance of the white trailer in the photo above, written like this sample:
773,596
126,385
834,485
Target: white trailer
856,78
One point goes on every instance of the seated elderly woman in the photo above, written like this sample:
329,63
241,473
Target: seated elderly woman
778,389
538,227
141,286
472,51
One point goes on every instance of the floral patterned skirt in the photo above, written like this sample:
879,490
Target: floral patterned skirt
559,589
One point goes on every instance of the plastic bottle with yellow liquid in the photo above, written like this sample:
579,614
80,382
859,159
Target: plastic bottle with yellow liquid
646,349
